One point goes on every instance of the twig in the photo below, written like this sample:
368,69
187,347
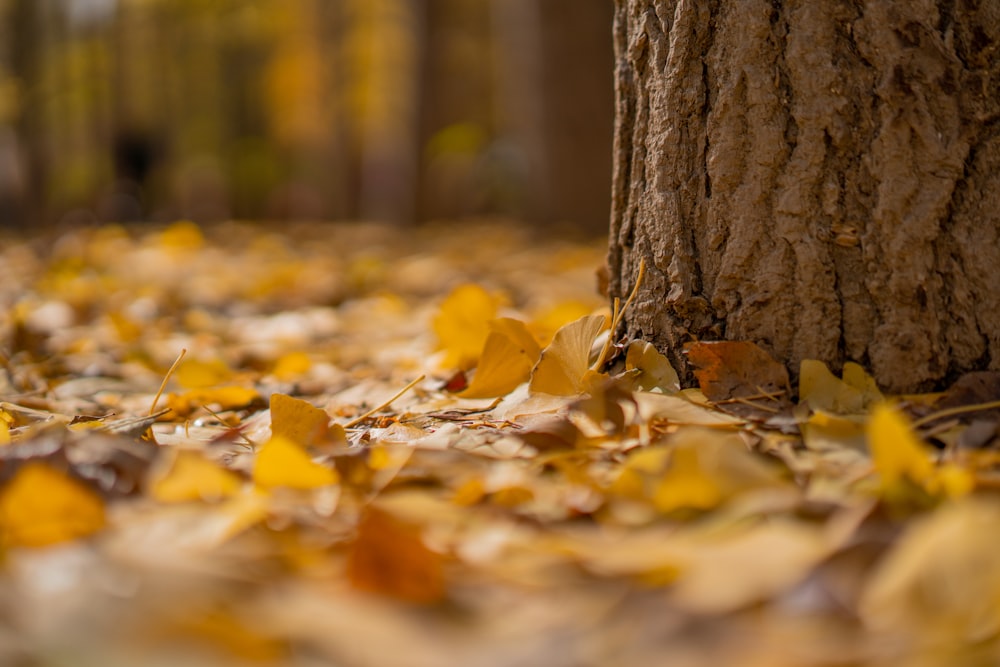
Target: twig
753,397
616,317
361,418
951,412
163,385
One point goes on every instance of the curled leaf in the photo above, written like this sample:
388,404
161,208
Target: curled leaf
563,368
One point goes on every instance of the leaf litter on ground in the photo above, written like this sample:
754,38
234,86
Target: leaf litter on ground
541,493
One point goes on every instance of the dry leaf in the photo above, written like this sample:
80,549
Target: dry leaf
903,462
738,369
564,365
822,390
509,354
303,423
41,506
655,371
462,324
388,557
189,476
281,462
220,398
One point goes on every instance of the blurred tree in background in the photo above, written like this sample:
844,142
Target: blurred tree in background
399,110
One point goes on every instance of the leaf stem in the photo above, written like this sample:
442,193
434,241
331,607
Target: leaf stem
617,313
951,412
163,385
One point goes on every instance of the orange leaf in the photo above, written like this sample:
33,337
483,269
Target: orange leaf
509,354
389,558
42,506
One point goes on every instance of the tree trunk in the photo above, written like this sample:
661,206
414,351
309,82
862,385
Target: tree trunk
821,178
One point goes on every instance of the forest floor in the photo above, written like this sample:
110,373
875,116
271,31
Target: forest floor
393,447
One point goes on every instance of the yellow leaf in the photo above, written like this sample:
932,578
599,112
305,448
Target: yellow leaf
686,484
822,390
42,506
301,421
509,354
901,459
545,325
655,370
189,477
564,364
281,462
4,433
462,324
222,398
291,366
195,374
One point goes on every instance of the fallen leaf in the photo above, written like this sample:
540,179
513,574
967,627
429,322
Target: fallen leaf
738,370
41,506
281,462
189,476
462,324
566,361
903,462
941,581
822,390
388,557
198,374
291,365
221,398
655,371
509,354
303,423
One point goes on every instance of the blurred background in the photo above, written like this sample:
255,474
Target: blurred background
393,110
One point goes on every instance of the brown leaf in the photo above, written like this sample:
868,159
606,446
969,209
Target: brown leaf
740,376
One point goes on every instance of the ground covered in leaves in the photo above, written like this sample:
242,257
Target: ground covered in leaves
386,447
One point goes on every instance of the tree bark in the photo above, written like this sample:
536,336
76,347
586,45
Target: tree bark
821,178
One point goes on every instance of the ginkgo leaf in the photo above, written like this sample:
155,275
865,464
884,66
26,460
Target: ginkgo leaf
564,364
197,374
388,557
686,485
462,324
222,398
545,324
708,468
903,462
509,354
302,422
40,506
656,372
291,366
823,390
189,476
281,462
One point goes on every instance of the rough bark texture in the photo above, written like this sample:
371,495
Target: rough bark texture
821,178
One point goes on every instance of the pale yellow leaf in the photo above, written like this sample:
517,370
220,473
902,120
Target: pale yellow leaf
564,364
301,421
656,372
